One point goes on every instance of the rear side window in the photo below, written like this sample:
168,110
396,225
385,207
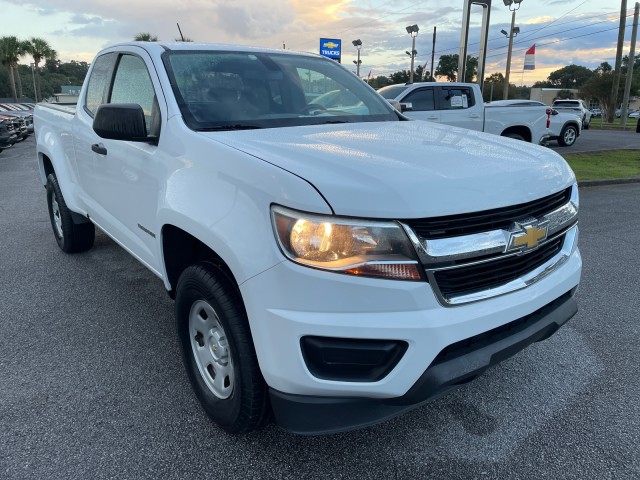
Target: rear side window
99,82
456,98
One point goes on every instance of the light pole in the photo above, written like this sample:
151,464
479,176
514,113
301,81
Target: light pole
358,44
33,75
512,33
413,31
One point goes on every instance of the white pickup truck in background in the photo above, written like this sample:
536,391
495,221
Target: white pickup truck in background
563,126
461,105
331,262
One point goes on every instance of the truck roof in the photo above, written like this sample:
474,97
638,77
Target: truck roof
160,47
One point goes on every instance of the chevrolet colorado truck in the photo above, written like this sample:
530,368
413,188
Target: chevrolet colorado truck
333,264
461,105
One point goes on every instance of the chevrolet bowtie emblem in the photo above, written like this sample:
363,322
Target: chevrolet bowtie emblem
530,235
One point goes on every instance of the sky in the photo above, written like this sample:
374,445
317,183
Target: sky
582,32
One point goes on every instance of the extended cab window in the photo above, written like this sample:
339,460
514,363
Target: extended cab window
99,82
132,84
421,100
456,98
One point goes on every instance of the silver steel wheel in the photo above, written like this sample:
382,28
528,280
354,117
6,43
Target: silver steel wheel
569,136
211,349
57,219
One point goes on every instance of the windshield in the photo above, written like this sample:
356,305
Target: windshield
218,90
392,91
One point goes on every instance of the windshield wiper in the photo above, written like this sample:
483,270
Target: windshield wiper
228,127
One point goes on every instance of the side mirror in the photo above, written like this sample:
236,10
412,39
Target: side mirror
121,121
406,107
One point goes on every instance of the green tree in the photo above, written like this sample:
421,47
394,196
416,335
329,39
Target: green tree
492,87
11,49
564,93
603,67
571,76
145,37
39,50
598,88
448,67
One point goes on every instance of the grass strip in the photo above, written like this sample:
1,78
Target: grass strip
605,165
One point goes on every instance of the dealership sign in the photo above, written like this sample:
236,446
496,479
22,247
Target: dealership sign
331,48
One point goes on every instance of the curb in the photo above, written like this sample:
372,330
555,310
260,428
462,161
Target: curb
610,181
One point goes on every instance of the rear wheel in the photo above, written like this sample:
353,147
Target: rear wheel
218,350
568,136
585,124
515,136
71,237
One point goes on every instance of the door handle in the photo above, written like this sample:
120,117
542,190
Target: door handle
474,115
99,148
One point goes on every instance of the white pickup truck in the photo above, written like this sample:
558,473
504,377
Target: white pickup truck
461,105
332,263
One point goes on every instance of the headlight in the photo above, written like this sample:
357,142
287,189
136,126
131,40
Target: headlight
344,245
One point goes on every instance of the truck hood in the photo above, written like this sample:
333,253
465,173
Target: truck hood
408,169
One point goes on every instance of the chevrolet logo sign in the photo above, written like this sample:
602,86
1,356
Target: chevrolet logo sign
330,45
529,236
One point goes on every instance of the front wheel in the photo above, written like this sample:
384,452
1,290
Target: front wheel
71,237
568,136
217,350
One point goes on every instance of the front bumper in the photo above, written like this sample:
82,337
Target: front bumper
289,302
312,415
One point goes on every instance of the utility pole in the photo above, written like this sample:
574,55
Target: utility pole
613,100
505,94
433,51
630,65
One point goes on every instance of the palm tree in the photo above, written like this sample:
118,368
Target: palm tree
11,49
145,37
39,50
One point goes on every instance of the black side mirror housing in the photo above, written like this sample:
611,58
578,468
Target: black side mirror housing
121,121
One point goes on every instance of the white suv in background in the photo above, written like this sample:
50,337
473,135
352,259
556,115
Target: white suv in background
577,106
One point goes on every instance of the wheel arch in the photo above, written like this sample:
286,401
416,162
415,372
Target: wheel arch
518,129
181,249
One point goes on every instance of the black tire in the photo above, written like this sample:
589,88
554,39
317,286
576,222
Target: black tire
205,292
568,136
585,124
71,237
515,136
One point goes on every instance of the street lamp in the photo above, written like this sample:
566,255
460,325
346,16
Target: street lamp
358,44
33,75
413,31
513,6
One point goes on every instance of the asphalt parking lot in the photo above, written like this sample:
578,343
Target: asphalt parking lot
92,386
596,139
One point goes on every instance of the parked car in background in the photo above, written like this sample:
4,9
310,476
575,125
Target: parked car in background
635,114
578,106
596,113
27,119
7,132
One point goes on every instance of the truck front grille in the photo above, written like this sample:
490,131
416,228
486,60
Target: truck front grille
476,222
483,276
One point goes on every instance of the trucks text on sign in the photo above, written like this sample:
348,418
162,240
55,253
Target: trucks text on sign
331,48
